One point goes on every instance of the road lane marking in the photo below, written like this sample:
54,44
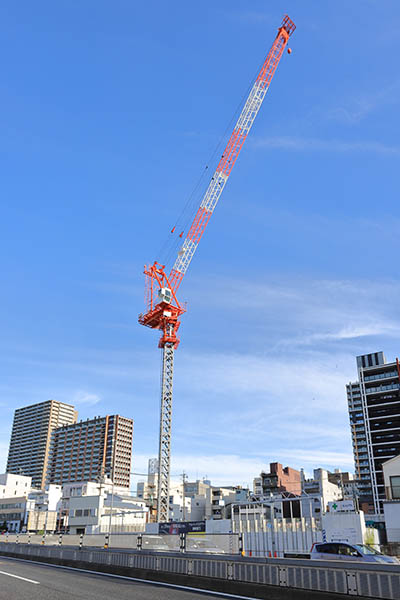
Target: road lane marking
18,577
137,580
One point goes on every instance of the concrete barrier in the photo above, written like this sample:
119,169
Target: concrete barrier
253,577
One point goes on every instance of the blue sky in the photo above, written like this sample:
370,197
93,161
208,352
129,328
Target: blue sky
109,114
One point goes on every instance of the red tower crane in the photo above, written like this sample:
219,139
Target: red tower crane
163,310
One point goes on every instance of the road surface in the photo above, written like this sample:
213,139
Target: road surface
26,580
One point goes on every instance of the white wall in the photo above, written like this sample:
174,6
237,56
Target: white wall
392,520
344,527
391,468
14,485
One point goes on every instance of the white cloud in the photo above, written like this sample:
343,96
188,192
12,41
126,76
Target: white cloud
300,144
83,397
316,313
359,107
348,333
248,375
235,469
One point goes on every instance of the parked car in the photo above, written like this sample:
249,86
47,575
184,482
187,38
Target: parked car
345,551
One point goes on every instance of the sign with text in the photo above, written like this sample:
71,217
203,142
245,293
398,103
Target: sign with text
182,527
341,506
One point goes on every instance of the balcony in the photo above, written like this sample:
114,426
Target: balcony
382,388
388,375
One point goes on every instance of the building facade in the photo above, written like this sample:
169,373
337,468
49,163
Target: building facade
257,487
147,490
14,485
374,411
391,476
30,437
391,508
23,508
321,486
280,480
89,450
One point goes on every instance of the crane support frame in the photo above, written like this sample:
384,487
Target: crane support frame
164,453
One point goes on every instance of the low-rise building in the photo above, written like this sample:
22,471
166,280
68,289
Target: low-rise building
147,490
14,485
13,513
320,485
220,499
257,487
14,504
180,507
391,507
100,507
391,476
280,480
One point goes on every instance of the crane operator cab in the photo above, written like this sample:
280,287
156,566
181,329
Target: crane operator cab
165,295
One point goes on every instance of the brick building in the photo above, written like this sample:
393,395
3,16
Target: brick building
280,480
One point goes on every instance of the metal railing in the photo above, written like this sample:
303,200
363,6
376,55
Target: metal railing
205,543
369,580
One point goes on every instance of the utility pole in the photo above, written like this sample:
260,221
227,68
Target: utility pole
184,478
111,511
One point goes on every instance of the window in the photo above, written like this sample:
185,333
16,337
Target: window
395,487
346,550
327,548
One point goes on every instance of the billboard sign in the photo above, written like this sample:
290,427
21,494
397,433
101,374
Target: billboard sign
175,528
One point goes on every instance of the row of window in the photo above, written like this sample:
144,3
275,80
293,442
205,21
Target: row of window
10,517
83,512
382,388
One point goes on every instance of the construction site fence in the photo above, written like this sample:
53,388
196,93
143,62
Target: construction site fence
219,543
276,537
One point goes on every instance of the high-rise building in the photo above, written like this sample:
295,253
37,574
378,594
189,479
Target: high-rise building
374,410
91,449
30,437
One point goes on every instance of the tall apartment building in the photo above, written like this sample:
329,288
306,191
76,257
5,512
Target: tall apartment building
89,449
374,410
30,437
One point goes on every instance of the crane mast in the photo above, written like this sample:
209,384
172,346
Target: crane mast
163,308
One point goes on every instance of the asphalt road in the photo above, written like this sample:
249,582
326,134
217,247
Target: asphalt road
33,581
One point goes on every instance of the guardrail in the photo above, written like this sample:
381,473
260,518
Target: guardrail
364,580
211,543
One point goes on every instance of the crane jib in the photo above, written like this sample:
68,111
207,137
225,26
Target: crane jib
229,156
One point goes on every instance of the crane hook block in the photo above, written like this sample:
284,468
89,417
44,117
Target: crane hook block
289,51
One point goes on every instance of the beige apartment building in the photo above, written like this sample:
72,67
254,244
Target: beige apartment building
91,449
30,438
